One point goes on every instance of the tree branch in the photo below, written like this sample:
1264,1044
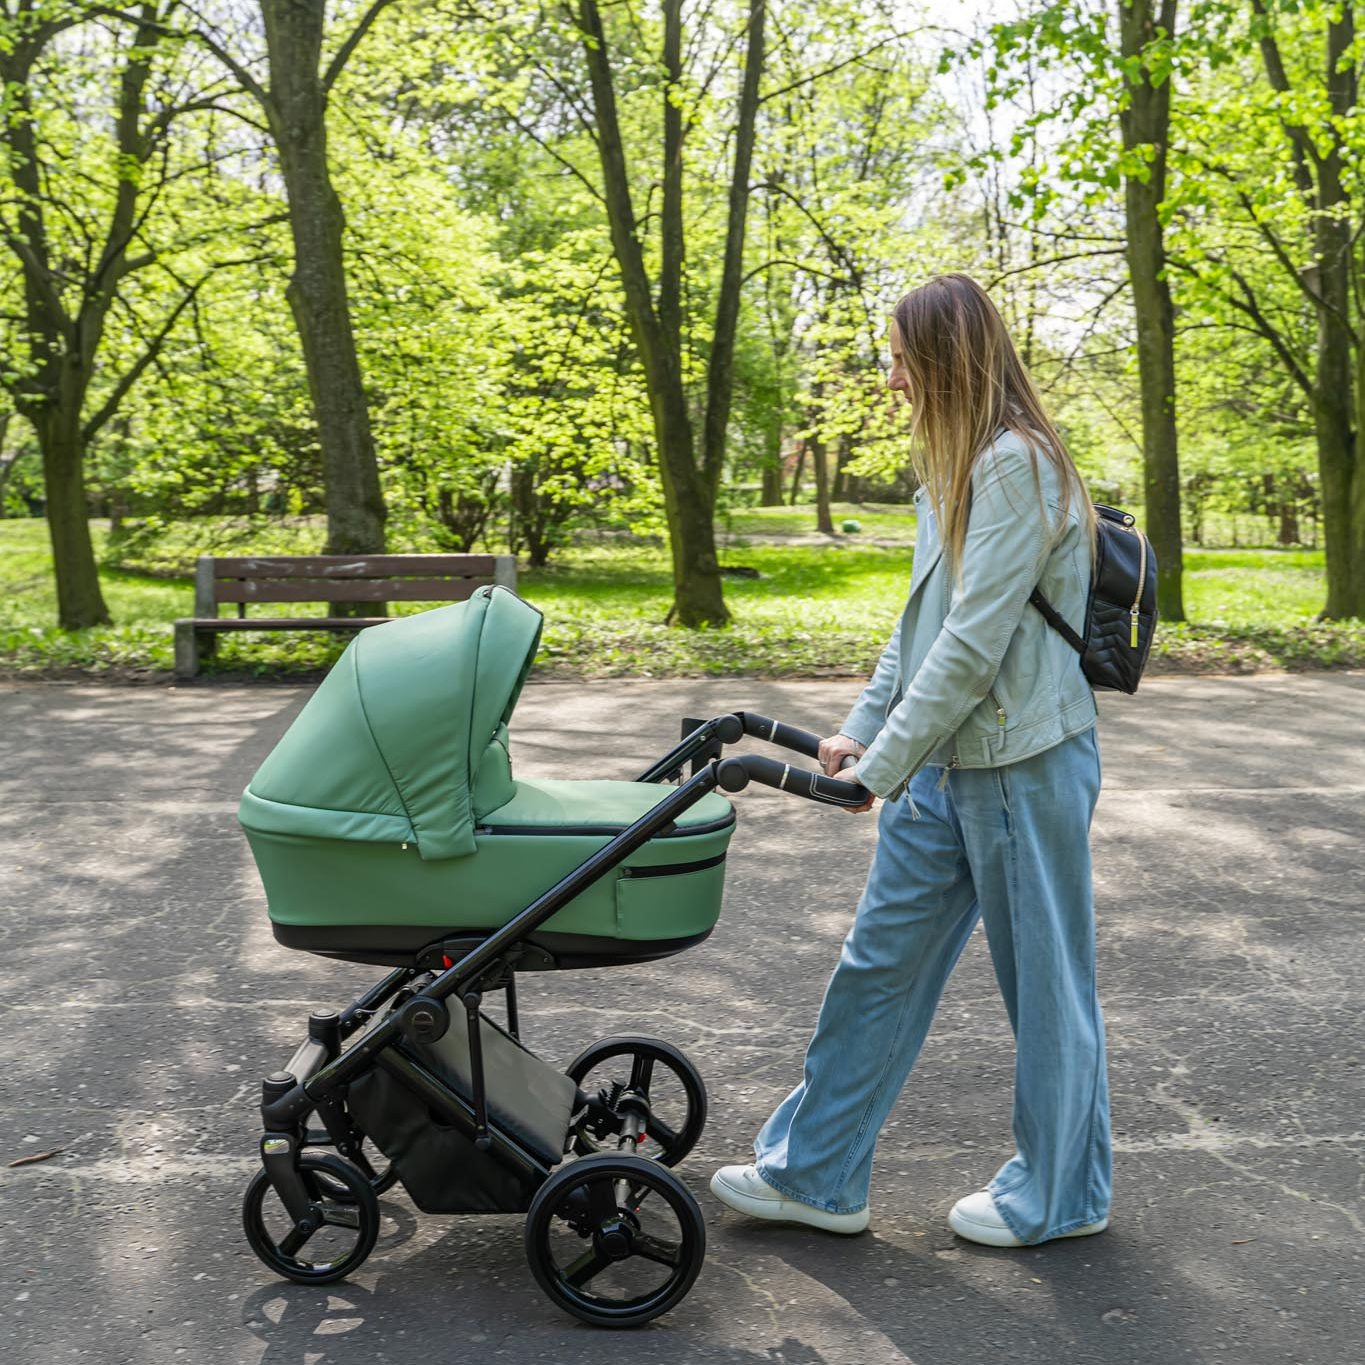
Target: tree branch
558,156
153,348
839,66
1247,304
1304,150
343,54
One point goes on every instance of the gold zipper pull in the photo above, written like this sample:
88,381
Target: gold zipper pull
1133,617
1000,715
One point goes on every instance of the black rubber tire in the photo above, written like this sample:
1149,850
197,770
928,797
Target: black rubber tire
676,1061
690,1249
315,1167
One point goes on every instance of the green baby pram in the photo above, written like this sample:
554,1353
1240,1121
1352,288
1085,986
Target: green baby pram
388,828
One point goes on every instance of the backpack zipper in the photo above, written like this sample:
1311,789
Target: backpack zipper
1142,579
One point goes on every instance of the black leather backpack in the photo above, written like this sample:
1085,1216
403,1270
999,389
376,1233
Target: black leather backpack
1120,614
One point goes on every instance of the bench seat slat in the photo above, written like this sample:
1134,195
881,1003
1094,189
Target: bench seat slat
346,589
352,566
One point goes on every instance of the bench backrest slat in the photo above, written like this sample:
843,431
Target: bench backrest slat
345,578
355,566
348,589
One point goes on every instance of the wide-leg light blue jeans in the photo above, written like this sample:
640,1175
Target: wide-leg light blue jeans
1012,846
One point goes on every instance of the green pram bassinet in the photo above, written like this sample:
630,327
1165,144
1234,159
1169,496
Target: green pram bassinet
388,828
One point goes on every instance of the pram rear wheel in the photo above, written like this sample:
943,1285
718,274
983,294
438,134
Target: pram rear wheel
615,1240
339,1234
657,1071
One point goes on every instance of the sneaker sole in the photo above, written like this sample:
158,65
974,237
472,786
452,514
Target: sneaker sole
783,1210
990,1236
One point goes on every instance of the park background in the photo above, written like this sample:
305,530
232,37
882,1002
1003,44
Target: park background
606,286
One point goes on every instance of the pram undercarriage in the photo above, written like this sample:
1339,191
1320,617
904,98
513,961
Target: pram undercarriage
415,1082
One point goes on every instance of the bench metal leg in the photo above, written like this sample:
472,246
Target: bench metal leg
186,650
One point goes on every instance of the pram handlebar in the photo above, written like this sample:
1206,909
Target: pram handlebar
704,740
734,774
775,732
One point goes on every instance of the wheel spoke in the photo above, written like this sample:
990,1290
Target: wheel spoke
578,1272
293,1243
656,1249
641,1073
661,1133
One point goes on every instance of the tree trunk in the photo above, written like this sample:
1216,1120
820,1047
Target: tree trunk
796,473
1146,121
839,493
53,395
1289,522
80,602
317,290
689,488
772,484
772,461
820,468
1338,412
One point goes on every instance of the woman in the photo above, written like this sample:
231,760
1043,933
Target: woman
978,731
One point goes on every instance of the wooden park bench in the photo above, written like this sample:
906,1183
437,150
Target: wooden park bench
323,578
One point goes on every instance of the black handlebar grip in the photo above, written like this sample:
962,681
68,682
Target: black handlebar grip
788,736
772,772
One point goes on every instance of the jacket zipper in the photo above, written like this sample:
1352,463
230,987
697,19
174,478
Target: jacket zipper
952,763
999,710
1142,579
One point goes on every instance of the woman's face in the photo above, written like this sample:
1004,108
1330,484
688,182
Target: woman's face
898,380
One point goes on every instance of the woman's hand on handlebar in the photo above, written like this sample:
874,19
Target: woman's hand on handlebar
833,749
835,753
847,776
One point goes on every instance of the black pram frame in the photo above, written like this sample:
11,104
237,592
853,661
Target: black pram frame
600,1194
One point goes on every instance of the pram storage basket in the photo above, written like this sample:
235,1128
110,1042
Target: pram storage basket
440,1167
387,819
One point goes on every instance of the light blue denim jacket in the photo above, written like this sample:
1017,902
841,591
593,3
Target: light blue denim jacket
973,676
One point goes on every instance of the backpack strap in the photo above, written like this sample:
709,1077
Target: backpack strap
1055,619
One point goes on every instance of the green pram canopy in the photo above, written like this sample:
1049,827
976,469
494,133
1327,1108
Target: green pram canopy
390,746
387,816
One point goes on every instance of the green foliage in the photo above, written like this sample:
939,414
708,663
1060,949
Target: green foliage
505,387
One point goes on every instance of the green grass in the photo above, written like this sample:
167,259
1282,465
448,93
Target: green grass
879,521
819,608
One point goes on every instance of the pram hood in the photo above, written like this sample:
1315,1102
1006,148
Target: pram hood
388,747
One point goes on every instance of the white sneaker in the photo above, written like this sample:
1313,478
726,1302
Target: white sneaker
742,1188
976,1218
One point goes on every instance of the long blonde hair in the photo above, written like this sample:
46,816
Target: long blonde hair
966,382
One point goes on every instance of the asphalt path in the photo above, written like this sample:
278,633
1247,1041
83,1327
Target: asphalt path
144,998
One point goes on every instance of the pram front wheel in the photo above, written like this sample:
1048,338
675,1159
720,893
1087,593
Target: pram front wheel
615,1240
338,1235
657,1072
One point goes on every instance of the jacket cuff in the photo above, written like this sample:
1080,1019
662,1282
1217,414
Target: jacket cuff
878,786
